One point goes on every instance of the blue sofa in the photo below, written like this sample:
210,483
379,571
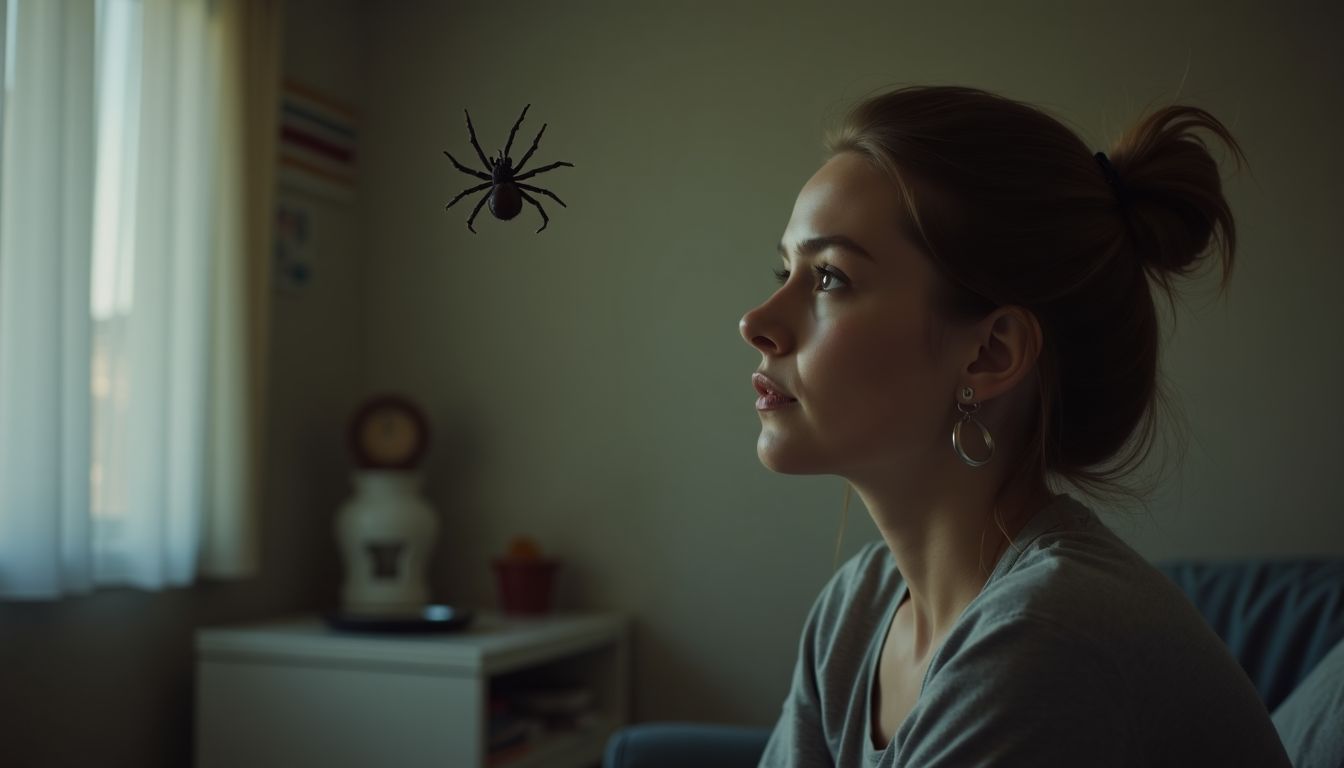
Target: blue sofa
1282,619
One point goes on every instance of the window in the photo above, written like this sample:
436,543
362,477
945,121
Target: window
132,210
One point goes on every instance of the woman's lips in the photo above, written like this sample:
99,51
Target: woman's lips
770,394
772,401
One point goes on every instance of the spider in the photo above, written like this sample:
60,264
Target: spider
505,191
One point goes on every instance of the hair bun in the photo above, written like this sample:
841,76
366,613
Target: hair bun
1171,191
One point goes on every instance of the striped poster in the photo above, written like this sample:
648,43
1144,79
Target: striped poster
317,142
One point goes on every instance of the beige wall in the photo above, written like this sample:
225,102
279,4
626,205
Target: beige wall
590,382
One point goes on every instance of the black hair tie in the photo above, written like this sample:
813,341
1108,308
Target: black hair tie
1113,178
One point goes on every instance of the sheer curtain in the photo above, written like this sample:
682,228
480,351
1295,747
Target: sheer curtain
134,216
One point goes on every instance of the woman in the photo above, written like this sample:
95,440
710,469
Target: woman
964,265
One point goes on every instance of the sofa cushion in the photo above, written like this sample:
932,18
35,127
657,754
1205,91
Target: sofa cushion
1278,617
1311,720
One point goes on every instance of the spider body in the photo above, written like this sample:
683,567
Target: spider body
506,194
506,199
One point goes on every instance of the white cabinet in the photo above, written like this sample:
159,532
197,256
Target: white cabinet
295,693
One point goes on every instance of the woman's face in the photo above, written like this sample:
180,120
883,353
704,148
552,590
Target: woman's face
857,343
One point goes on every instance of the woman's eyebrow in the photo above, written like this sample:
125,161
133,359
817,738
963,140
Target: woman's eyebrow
814,245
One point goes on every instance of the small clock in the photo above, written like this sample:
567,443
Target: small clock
388,432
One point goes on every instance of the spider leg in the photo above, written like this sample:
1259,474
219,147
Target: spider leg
515,130
466,192
467,170
546,192
544,218
535,141
477,210
542,169
472,131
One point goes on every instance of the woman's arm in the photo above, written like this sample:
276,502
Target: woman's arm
798,738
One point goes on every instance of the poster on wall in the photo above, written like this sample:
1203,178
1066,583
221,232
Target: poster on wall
317,143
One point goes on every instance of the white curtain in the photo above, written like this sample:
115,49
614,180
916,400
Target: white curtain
128,397
46,217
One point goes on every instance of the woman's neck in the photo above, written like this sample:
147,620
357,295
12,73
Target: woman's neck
946,545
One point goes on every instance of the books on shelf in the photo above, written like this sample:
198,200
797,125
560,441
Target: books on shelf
520,719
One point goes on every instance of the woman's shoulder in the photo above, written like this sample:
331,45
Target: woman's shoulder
1077,615
1070,566
1080,574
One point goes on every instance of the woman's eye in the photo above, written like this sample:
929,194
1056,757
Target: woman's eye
823,274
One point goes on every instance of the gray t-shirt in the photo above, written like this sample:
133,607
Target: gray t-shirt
1077,652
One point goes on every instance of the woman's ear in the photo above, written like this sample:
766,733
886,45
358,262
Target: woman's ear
1009,345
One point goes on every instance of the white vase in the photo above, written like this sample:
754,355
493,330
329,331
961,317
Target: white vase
386,535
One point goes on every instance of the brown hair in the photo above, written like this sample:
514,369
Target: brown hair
1014,209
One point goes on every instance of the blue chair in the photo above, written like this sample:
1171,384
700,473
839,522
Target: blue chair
1280,619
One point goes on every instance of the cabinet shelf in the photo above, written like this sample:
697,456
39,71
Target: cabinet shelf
293,692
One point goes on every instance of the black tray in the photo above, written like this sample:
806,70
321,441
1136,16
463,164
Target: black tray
434,618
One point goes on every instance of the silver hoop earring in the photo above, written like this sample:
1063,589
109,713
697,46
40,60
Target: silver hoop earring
968,410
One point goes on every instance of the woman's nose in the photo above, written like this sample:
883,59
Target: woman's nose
763,331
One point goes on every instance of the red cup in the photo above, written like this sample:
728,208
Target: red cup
525,585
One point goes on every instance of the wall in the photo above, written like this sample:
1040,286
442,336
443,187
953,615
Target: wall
588,384
107,679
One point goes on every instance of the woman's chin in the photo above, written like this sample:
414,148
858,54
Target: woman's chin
777,458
